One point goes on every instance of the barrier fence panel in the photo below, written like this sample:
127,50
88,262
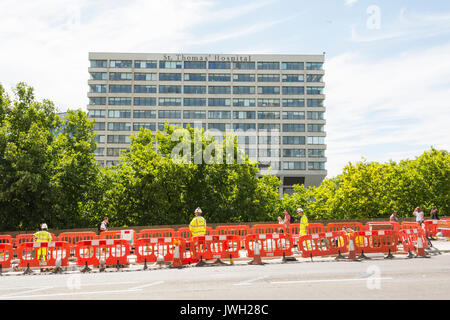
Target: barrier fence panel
148,249
444,227
215,247
6,254
128,235
312,228
270,244
156,233
375,241
242,231
409,225
43,254
74,237
409,239
381,225
24,238
431,227
323,244
112,251
348,226
6,239
268,228
185,233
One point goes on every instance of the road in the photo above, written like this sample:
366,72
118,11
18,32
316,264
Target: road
324,278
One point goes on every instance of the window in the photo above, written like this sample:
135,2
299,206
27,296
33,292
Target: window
118,139
268,140
268,102
99,152
268,115
169,89
218,102
293,115
243,102
292,78
292,65
246,140
244,77
293,140
170,64
195,102
195,77
268,78
115,152
316,165
315,115
244,65
144,89
243,90
145,77
100,126
138,125
195,65
119,126
219,89
120,63
173,114
99,139
219,126
99,88
111,163
314,90
145,64
195,89
316,153
161,125
293,102
194,114
316,140
170,76
314,77
268,65
141,101
195,125
97,75
120,88
299,153
169,102
97,101
314,65
315,127
269,90
119,114
119,101
98,63
294,165
314,103
120,76
269,126
219,114
244,114
218,65
219,77
144,114
293,90
268,153
244,126
293,127
97,113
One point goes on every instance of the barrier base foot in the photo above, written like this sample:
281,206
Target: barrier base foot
288,259
410,255
340,257
28,271
57,270
389,256
256,263
362,256
201,263
86,269
220,262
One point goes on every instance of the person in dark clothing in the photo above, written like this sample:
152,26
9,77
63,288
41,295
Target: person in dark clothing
434,213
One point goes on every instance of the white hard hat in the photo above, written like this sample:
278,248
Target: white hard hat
198,210
299,210
44,226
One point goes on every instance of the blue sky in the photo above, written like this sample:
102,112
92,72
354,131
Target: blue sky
387,62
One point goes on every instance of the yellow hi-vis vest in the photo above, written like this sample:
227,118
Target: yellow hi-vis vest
198,226
303,225
42,236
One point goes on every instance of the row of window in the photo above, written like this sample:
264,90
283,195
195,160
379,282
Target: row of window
151,64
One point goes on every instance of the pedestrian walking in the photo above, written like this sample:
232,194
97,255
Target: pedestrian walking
103,226
287,220
420,216
393,217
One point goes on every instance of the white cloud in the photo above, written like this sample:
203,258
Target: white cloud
350,2
391,108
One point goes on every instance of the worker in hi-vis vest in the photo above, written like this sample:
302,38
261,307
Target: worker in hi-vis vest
303,225
42,236
198,224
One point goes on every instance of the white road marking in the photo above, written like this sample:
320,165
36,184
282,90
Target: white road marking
20,293
249,282
326,280
146,285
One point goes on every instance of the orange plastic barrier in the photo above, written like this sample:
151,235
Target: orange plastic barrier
156,233
6,239
148,249
43,254
409,238
74,237
431,227
242,231
215,247
268,228
6,254
185,233
113,251
409,225
24,238
338,226
270,244
444,227
323,244
382,225
375,241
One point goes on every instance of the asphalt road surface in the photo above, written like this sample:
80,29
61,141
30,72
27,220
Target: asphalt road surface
399,278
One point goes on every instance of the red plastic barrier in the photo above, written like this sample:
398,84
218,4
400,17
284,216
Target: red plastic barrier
113,251
215,247
409,225
148,249
43,254
242,231
270,244
338,226
431,227
6,254
185,233
444,227
268,228
382,225
24,238
323,244
409,238
375,241
6,239
74,237
156,233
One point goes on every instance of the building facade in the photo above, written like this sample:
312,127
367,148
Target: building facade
274,103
